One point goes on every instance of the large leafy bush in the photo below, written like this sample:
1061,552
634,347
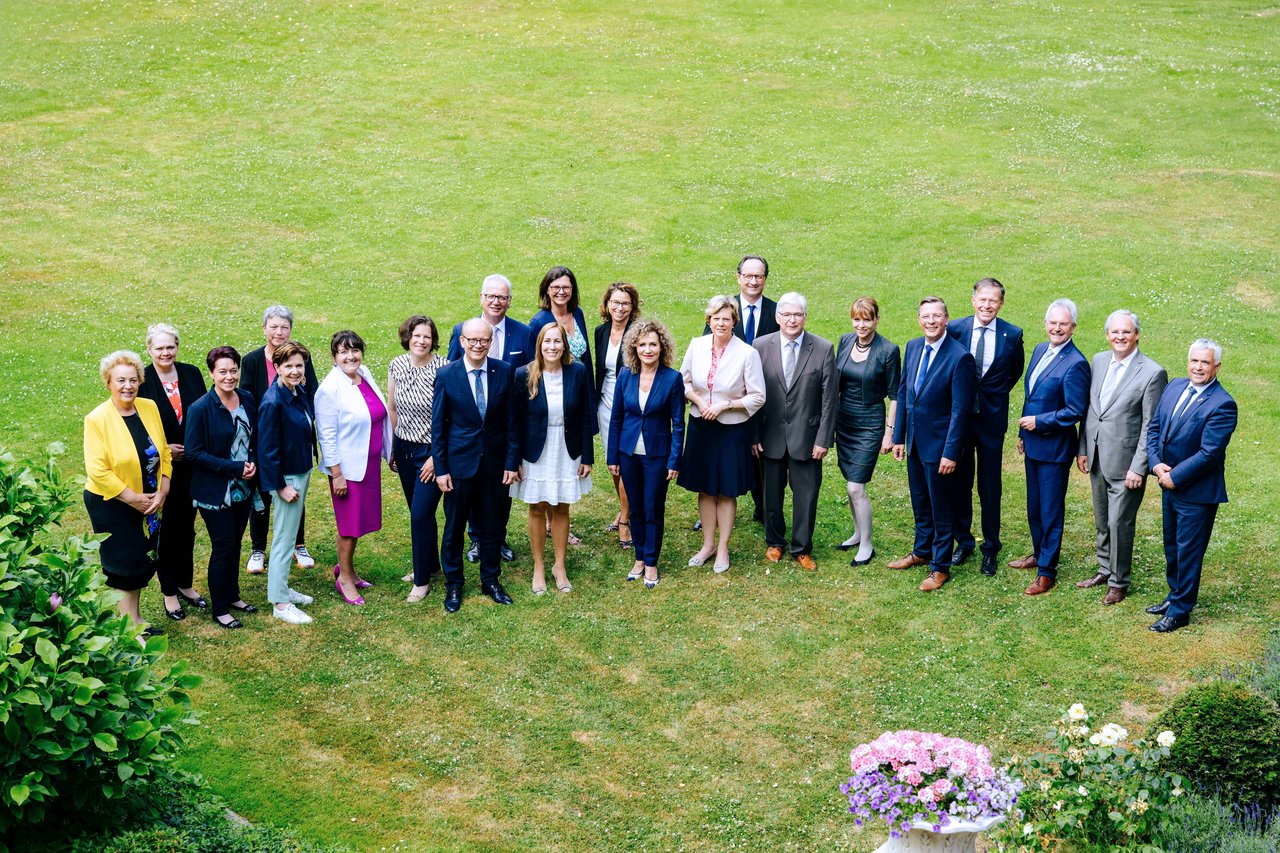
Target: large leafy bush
86,715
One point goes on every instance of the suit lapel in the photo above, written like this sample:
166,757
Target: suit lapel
1193,408
1126,379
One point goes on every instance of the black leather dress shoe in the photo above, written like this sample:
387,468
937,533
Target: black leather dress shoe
498,594
473,552
1171,623
989,565
452,600
961,556
1158,609
508,556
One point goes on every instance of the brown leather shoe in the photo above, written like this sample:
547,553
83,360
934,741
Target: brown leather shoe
773,555
1115,595
935,580
1096,580
909,562
806,562
1027,562
1040,586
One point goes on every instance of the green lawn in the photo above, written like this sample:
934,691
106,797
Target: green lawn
194,162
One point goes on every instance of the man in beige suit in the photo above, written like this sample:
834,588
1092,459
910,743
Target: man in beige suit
794,430
1123,396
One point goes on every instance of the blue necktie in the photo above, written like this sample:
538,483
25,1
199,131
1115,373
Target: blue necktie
751,323
480,401
924,368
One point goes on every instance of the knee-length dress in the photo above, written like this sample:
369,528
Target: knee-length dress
553,479
860,422
360,512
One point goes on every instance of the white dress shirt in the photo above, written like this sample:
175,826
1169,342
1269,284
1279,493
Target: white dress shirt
988,354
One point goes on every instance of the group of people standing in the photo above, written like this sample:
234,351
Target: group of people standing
512,411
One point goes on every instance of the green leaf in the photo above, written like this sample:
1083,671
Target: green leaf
19,794
47,652
98,643
83,695
124,771
105,742
137,729
27,697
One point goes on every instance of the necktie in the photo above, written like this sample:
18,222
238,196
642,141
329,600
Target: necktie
480,401
1109,384
495,346
1035,374
789,363
981,354
750,328
924,368
1184,403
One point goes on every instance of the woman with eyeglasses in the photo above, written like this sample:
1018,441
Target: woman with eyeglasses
619,308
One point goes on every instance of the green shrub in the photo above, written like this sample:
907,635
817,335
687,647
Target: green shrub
1228,741
86,716
1202,824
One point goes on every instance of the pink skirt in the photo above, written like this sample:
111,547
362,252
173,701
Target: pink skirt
360,512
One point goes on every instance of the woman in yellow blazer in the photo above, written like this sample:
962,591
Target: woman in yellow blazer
127,464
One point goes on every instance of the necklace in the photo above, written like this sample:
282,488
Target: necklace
857,344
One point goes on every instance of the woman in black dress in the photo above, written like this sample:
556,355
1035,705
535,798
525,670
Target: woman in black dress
868,365
174,386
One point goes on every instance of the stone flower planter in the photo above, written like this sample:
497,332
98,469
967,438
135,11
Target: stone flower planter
959,836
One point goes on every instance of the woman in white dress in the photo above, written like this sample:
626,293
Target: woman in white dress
555,417
619,308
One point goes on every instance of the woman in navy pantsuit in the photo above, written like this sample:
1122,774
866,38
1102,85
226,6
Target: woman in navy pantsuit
646,437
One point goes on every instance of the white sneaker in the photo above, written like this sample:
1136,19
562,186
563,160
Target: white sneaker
296,597
303,557
257,563
290,614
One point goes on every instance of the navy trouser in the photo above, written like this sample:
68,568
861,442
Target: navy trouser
424,500
645,479
1046,511
982,460
1187,528
226,535
481,500
933,502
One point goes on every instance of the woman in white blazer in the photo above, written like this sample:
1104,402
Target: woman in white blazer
725,385
355,434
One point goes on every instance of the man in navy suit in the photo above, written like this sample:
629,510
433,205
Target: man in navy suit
1057,397
476,445
935,398
996,347
512,344
1187,447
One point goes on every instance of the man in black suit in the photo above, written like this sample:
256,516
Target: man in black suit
757,316
996,347
256,375
512,343
476,446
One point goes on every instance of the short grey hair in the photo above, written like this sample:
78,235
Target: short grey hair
1066,305
496,278
1209,344
793,298
1117,314
277,312
160,329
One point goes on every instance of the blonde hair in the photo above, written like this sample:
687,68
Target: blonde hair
631,340
160,329
117,358
539,364
719,303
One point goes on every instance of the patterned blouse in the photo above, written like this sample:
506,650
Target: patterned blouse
414,394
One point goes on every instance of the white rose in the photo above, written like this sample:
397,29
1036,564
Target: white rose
1165,738
1077,713
1082,791
1044,785
1096,740
1028,829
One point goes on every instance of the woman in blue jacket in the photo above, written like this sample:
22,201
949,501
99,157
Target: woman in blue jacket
221,446
286,453
553,406
646,437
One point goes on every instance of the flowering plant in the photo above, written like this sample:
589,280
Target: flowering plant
1095,791
909,776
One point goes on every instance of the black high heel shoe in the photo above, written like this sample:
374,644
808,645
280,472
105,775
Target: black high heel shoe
857,562
197,601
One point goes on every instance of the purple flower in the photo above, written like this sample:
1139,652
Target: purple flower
55,601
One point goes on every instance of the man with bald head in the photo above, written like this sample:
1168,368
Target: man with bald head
1057,396
476,446
1125,391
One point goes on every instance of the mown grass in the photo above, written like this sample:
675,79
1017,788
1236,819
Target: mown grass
195,162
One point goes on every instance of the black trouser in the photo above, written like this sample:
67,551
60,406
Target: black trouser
983,459
226,533
424,500
258,522
479,499
175,563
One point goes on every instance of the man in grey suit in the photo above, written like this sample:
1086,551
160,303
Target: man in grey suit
1123,395
796,427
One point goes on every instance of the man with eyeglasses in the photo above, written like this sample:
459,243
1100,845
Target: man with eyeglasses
757,316
794,430
476,445
510,344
